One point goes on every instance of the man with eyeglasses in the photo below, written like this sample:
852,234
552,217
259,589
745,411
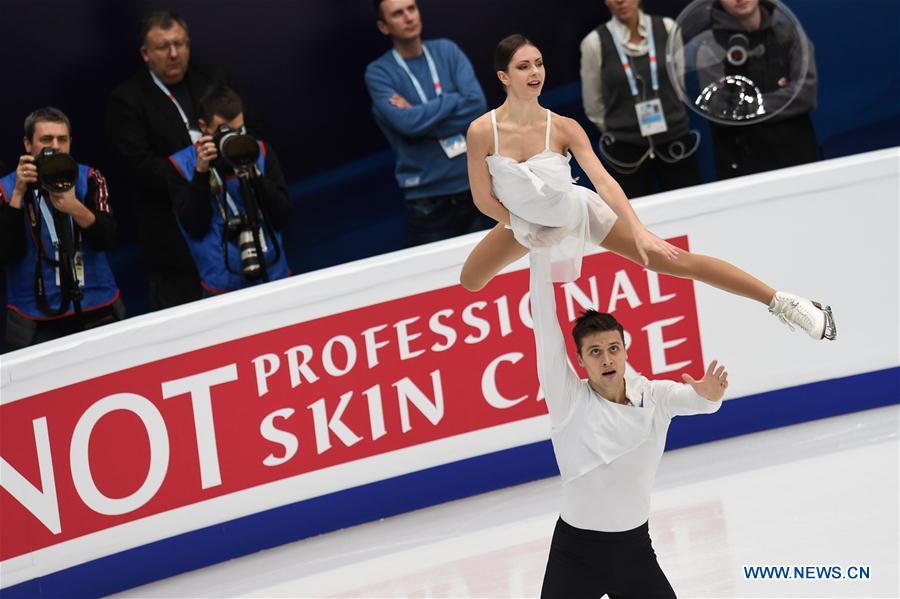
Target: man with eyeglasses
151,116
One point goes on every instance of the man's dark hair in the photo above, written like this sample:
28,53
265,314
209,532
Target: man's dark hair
48,114
220,100
164,19
378,15
592,321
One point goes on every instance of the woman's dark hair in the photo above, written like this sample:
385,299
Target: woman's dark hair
506,48
592,321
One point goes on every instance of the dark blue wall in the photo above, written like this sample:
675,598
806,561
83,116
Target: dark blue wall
300,63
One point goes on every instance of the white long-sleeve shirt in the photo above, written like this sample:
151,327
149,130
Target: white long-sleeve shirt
607,453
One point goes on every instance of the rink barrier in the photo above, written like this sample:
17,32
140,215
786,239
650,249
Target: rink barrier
448,409
457,480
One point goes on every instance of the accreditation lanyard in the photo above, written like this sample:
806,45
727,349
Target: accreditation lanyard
193,133
415,82
626,64
48,219
228,199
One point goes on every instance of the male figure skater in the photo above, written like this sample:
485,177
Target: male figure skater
608,435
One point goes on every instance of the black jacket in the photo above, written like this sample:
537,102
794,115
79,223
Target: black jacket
144,129
788,138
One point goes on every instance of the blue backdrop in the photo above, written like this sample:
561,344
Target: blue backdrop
300,64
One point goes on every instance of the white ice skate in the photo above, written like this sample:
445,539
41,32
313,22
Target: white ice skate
812,317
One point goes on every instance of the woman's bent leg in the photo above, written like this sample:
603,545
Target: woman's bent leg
705,269
498,249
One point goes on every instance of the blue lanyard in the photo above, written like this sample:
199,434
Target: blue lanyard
221,184
415,82
48,218
651,47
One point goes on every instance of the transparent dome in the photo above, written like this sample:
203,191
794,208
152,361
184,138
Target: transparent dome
737,62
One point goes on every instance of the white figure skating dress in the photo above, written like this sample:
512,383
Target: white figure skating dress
549,213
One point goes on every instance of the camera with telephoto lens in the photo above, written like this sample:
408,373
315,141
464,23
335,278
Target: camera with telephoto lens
238,228
239,149
57,171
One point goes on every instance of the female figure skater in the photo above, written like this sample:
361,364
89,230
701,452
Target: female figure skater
518,161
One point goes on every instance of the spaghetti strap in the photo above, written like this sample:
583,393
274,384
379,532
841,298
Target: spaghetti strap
547,139
496,136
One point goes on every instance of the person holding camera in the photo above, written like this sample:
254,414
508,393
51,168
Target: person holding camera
150,116
55,224
768,53
625,89
230,198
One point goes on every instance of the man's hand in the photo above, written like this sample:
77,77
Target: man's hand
399,101
206,153
67,203
26,172
713,384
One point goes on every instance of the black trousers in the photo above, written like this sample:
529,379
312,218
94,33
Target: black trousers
23,332
766,146
442,217
171,287
588,563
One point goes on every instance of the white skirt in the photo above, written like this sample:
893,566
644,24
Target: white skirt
591,221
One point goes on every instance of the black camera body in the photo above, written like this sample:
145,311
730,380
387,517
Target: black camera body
239,149
57,171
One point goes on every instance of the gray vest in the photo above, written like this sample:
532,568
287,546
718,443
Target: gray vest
620,118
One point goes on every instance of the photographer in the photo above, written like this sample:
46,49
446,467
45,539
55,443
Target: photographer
151,115
55,224
230,198
769,54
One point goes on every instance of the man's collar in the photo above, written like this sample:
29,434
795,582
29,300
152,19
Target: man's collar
634,392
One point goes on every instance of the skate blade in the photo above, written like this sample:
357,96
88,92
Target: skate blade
830,331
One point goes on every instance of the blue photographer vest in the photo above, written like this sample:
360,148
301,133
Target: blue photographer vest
215,276
99,284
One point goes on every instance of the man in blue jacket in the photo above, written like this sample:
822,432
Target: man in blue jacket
53,241
424,95
235,242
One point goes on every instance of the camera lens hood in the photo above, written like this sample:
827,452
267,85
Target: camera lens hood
57,171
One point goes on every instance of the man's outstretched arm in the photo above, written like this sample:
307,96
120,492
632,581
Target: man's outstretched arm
554,372
702,396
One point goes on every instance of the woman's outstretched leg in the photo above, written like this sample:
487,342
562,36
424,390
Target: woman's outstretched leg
705,269
498,249
790,309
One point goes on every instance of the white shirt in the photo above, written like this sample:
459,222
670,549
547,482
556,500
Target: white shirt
592,59
607,453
